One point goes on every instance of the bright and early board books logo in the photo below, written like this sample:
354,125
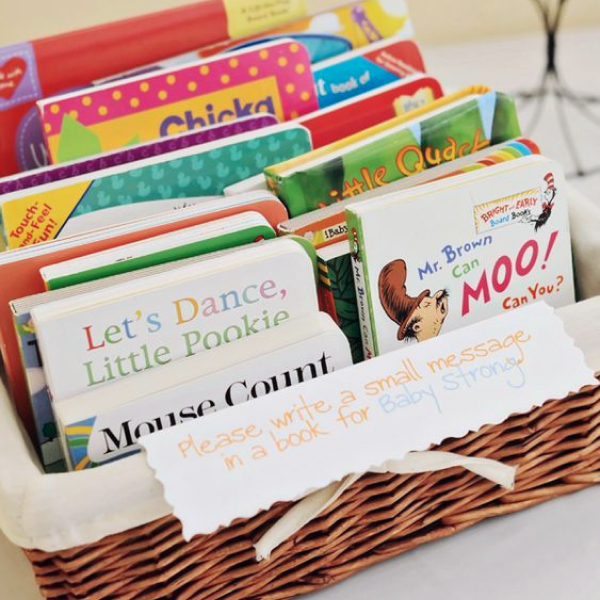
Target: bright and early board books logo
532,206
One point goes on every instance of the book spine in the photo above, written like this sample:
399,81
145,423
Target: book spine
289,191
363,296
45,422
325,293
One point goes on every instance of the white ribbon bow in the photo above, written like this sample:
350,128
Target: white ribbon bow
414,462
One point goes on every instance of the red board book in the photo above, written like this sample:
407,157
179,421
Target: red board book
33,70
361,112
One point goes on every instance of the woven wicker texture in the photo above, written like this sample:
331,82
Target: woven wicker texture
557,450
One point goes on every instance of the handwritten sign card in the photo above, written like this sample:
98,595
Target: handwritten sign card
239,461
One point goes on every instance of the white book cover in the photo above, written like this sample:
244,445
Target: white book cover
104,424
102,336
457,251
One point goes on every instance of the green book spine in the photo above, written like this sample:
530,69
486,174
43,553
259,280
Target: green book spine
337,297
289,191
363,294
222,242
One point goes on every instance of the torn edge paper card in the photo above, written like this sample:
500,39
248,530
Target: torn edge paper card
238,462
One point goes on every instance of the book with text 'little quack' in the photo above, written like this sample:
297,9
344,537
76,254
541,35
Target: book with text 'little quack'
104,424
456,251
154,185
131,327
328,225
449,128
274,77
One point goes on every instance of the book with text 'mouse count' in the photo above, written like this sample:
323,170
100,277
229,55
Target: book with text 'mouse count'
104,424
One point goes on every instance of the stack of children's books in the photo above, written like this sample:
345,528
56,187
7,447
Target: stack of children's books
234,215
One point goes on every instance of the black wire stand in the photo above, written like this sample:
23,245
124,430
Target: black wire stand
552,84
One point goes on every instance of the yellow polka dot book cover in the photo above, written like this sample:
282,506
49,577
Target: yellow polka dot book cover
274,77
453,252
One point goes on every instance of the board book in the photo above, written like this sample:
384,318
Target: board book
29,69
328,225
366,69
275,77
325,35
21,267
102,425
361,112
117,332
230,232
39,397
100,161
449,128
155,185
453,252
337,296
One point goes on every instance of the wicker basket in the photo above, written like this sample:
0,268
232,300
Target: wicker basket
556,448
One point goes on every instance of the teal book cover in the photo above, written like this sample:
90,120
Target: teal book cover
159,185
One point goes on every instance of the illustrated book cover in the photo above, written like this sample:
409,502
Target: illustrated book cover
275,78
449,128
456,251
102,425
